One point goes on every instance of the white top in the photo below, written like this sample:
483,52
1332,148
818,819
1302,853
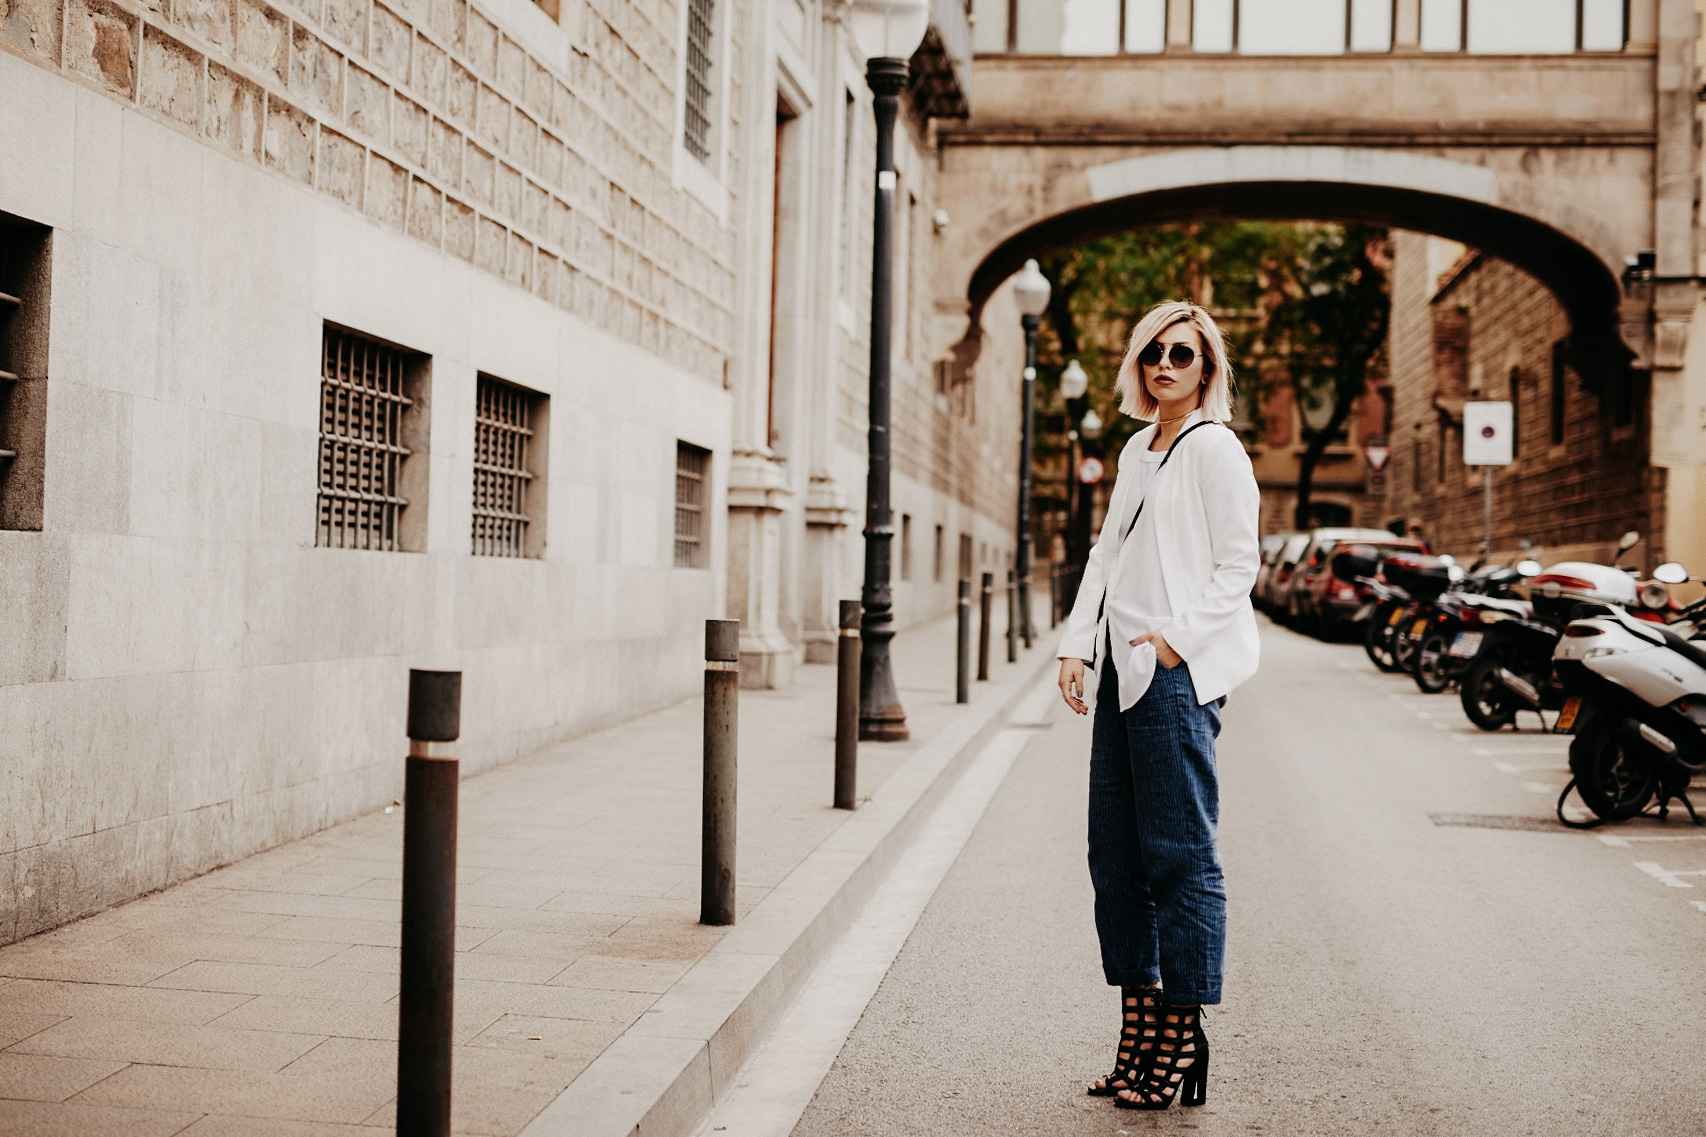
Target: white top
1199,523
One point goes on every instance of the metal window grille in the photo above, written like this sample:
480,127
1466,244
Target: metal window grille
503,430
362,403
697,127
692,466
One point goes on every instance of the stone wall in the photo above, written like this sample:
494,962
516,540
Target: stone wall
545,162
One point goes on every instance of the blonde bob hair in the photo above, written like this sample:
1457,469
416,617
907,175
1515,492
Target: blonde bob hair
1217,399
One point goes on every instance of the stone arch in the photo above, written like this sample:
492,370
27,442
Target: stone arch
1503,213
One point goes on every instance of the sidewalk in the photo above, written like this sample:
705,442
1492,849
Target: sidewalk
261,998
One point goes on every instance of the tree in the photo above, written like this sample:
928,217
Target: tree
1330,331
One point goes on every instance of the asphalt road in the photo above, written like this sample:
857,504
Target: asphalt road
1387,974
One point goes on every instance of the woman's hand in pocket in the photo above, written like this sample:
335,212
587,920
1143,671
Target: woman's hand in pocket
1164,653
1072,684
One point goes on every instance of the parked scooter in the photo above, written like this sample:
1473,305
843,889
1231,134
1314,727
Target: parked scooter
1636,699
1486,596
1510,662
1385,606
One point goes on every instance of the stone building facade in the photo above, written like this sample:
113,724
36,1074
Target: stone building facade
348,336
1469,326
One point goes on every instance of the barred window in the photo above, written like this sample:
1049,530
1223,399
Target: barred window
366,405
692,472
697,127
505,447
24,279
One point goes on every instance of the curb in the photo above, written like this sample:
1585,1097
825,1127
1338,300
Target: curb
662,1076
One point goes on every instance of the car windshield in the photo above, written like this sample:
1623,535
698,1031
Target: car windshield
1294,549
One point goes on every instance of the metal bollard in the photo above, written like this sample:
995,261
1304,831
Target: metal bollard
717,826
426,999
984,603
847,707
1053,596
1012,622
962,668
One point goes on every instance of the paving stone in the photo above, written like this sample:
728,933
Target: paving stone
264,979
226,1125
35,1077
303,1097
165,1044
68,1119
112,1001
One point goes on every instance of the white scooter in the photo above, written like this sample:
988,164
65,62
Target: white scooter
1636,702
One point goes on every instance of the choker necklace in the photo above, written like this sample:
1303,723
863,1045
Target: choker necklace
1176,418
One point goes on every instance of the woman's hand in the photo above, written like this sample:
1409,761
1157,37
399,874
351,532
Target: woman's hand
1164,653
1072,684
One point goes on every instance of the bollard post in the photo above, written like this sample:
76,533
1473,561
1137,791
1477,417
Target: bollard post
1012,622
984,602
847,707
962,661
426,996
717,825
1053,597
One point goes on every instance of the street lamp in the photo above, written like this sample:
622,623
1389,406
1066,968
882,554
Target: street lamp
1073,384
888,32
1031,291
1089,430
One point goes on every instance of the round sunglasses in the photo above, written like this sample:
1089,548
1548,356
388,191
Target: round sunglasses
1180,355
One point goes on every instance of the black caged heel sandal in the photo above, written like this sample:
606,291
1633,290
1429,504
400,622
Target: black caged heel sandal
1178,1068
1142,1009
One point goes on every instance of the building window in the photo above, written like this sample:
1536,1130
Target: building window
1416,463
697,123
372,427
1516,411
906,546
965,556
936,556
24,279
692,472
1558,393
507,489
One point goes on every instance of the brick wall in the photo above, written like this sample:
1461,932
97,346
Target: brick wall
1487,330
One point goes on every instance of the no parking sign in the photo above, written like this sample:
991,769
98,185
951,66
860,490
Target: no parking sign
1487,433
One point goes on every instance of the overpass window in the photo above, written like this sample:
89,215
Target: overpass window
936,559
989,31
906,546
1371,25
1442,25
1604,25
1068,27
1522,27
1145,26
1214,25
1290,27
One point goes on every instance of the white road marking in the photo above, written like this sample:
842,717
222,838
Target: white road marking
1662,875
1517,768
1516,751
1700,904
1541,787
775,1087
1623,842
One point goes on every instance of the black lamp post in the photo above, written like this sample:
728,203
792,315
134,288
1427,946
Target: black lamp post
888,32
1031,292
1073,385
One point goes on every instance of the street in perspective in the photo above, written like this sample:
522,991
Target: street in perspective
790,568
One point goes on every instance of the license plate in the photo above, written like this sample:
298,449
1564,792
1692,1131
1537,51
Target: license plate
1363,613
1567,716
1466,644
1419,627
1397,614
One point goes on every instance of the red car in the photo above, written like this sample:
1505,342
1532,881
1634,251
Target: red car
1323,604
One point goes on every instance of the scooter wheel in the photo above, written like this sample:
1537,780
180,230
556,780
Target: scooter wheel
1377,641
1432,660
1485,700
1615,781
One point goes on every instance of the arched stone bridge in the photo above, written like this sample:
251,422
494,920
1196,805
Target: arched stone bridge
1576,167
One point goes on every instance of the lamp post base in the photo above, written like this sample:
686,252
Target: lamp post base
889,725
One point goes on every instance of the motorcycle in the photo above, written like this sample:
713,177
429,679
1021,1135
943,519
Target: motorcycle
1385,604
1484,598
1636,700
1509,666
1425,579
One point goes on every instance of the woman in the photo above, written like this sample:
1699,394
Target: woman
1168,584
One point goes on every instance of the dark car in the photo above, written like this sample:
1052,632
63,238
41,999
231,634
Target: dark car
1272,546
1322,604
1278,578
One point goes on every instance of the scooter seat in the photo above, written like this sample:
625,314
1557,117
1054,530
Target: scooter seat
1692,650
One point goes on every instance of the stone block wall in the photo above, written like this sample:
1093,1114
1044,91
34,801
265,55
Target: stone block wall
546,163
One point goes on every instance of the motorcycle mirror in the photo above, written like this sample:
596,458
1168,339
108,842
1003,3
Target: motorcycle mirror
1529,568
1671,572
1455,573
1628,541
1525,544
1447,559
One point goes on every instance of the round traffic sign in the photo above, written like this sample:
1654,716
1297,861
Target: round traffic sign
1090,471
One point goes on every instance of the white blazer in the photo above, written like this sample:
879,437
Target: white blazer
1205,506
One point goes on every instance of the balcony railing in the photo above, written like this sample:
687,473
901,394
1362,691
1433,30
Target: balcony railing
1308,27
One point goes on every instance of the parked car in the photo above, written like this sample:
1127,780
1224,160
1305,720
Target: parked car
1279,575
1272,546
1319,602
